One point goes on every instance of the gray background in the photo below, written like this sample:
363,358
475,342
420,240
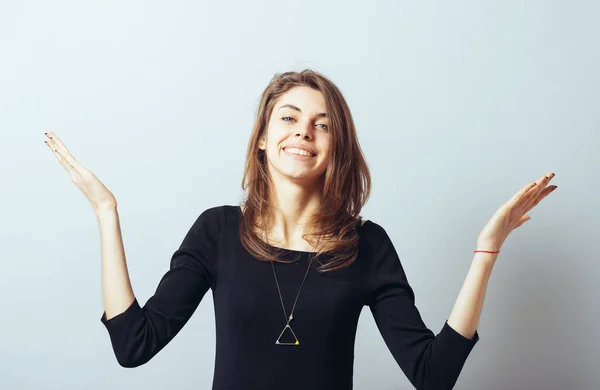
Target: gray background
458,105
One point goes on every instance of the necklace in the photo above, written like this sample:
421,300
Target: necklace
288,319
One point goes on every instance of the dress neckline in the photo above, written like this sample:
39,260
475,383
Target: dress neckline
286,250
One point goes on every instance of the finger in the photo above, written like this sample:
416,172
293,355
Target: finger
62,161
535,201
524,219
534,196
521,193
64,152
543,181
531,191
58,141
60,154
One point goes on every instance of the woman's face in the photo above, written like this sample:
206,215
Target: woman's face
299,117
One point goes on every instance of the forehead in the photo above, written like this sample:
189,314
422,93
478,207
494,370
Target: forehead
309,100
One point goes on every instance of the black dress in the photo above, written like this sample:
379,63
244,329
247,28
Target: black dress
249,317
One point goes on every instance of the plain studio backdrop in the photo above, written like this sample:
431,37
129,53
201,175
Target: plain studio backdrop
457,105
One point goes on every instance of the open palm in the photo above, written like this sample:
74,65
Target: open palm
93,189
513,213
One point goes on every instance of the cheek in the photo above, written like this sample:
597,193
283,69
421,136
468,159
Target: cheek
324,149
325,158
277,140
275,132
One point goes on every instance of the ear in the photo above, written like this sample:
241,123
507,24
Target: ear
261,144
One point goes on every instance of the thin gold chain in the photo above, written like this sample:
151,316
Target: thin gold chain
297,295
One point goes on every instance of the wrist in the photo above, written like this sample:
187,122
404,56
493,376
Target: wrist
102,210
488,245
485,260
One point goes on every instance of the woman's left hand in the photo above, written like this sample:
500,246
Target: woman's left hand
513,213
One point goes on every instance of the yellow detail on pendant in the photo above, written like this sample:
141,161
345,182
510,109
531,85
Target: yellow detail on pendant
281,334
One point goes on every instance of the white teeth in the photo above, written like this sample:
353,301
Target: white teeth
298,151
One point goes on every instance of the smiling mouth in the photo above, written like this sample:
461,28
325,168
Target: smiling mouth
299,156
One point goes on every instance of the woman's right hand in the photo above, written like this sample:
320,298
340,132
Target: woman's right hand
93,189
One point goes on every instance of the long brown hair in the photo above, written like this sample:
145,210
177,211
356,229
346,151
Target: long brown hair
347,181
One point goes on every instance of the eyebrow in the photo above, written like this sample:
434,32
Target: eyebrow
319,115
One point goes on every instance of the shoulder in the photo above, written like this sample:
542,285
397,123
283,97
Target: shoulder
368,227
372,235
209,227
211,219
213,214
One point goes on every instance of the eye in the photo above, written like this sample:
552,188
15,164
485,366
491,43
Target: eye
290,119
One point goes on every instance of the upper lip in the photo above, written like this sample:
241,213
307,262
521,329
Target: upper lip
301,146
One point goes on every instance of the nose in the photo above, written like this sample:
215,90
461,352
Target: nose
305,132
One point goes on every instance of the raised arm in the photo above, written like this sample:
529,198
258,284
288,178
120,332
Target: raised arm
139,333
429,361
117,291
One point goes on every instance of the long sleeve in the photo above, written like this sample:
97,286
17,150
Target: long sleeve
139,333
429,361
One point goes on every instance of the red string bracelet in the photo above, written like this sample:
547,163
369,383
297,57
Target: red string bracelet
478,250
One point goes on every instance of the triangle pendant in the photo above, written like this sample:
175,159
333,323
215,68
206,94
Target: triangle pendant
296,342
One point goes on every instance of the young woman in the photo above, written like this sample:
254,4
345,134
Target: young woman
292,267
